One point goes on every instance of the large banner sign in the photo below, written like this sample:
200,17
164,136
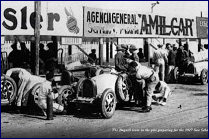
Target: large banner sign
62,18
57,18
113,23
202,27
17,18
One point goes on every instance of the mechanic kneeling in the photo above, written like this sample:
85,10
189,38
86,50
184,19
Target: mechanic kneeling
149,76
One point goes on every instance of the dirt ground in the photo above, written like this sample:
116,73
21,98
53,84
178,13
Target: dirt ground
170,121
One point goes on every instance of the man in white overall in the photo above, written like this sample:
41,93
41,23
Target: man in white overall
161,93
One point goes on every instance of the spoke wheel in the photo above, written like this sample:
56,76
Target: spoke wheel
65,94
204,76
8,90
35,92
108,103
122,88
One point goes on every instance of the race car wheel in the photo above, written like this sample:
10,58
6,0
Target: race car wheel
204,76
108,103
8,90
175,74
66,93
35,92
122,87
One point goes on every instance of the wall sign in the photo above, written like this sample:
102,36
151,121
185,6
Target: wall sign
202,27
71,41
57,18
114,23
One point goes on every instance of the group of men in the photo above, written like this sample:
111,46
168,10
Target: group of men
144,80
166,59
26,59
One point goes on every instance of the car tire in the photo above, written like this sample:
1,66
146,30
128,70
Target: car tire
204,76
175,74
108,103
35,92
10,87
65,94
121,92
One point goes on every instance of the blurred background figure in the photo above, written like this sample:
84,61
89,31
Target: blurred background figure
93,57
14,58
160,59
25,56
141,55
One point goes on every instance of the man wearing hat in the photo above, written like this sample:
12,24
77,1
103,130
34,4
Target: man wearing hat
120,63
125,47
133,52
160,59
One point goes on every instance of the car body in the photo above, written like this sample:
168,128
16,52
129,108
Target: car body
102,91
194,72
35,89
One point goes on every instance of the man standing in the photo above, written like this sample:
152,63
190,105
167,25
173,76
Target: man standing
120,63
14,57
149,76
92,56
181,59
141,55
160,59
171,62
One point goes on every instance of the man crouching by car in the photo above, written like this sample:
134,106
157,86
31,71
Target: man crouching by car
26,82
150,77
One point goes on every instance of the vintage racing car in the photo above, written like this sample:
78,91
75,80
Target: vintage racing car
35,89
195,72
102,91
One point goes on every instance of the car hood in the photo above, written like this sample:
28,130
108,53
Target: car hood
105,81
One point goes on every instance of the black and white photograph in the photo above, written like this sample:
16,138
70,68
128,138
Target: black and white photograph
104,69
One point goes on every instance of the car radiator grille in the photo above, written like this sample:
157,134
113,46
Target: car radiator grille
88,89
190,69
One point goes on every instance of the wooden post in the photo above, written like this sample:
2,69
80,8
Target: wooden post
107,50
180,42
37,33
101,51
148,57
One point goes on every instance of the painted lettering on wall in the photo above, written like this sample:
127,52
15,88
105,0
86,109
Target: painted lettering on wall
11,21
115,23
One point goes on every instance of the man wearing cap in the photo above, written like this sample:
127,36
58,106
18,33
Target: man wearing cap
148,75
133,52
160,59
120,63
137,86
125,47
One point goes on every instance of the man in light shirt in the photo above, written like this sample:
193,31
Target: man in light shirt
160,59
147,74
161,93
